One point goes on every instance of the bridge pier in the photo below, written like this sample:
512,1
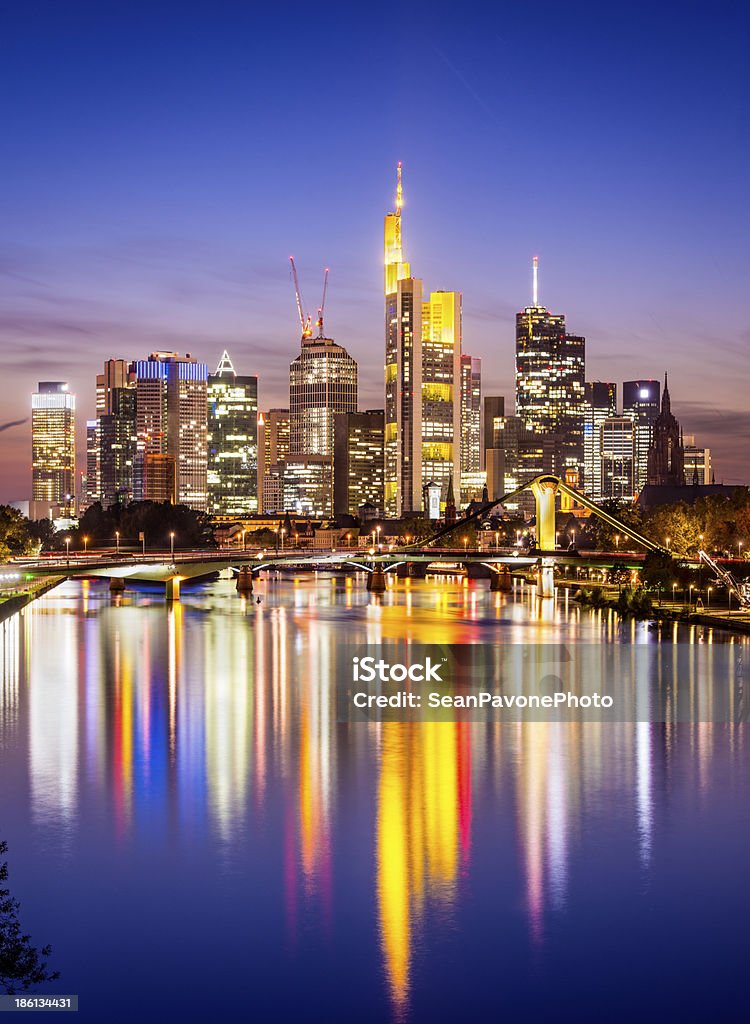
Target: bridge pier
544,490
501,581
376,580
116,584
172,588
545,586
245,580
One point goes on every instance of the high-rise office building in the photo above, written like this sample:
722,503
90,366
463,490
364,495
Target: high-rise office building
358,461
493,410
53,446
666,457
307,485
322,382
118,446
600,404
422,380
273,449
93,490
232,473
641,401
471,423
550,377
111,471
172,424
617,452
518,454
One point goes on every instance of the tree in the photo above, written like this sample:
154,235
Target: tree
601,535
21,964
15,537
659,571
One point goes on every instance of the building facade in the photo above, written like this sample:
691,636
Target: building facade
232,472
600,405
641,401
698,468
358,461
53,446
322,382
172,421
472,461
422,380
550,378
617,447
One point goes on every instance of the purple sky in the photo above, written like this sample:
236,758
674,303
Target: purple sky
161,164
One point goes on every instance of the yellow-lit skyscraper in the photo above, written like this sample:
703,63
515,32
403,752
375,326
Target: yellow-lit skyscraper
53,443
422,380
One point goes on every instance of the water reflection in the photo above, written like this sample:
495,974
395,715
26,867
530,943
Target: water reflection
216,715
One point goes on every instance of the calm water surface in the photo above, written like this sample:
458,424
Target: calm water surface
199,840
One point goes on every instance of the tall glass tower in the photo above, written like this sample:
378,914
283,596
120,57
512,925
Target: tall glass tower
600,405
53,444
550,377
641,401
422,380
232,441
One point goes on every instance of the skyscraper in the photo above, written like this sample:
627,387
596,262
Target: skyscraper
422,379
116,433
322,382
472,460
617,455
550,376
171,421
698,468
641,401
53,446
600,404
273,450
232,441
358,461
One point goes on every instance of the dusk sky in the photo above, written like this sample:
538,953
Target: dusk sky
161,161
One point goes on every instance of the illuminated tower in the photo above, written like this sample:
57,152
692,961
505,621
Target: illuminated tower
322,382
550,372
171,423
422,380
600,404
641,401
232,441
472,457
53,444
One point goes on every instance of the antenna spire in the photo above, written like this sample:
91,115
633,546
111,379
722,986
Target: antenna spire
535,278
399,190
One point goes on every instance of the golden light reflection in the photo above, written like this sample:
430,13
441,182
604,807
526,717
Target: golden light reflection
423,770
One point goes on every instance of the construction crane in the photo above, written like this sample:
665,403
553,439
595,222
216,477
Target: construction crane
322,305
740,590
304,319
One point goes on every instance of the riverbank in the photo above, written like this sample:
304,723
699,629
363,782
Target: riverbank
18,599
668,611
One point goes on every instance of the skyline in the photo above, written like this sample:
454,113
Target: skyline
139,217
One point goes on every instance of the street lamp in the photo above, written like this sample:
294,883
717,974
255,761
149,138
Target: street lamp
617,541
669,541
67,549
497,540
171,544
378,528
283,531
117,541
690,595
739,549
466,544
85,545
700,537
708,598
674,587
348,540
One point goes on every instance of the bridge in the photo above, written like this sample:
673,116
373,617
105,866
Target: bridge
172,569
